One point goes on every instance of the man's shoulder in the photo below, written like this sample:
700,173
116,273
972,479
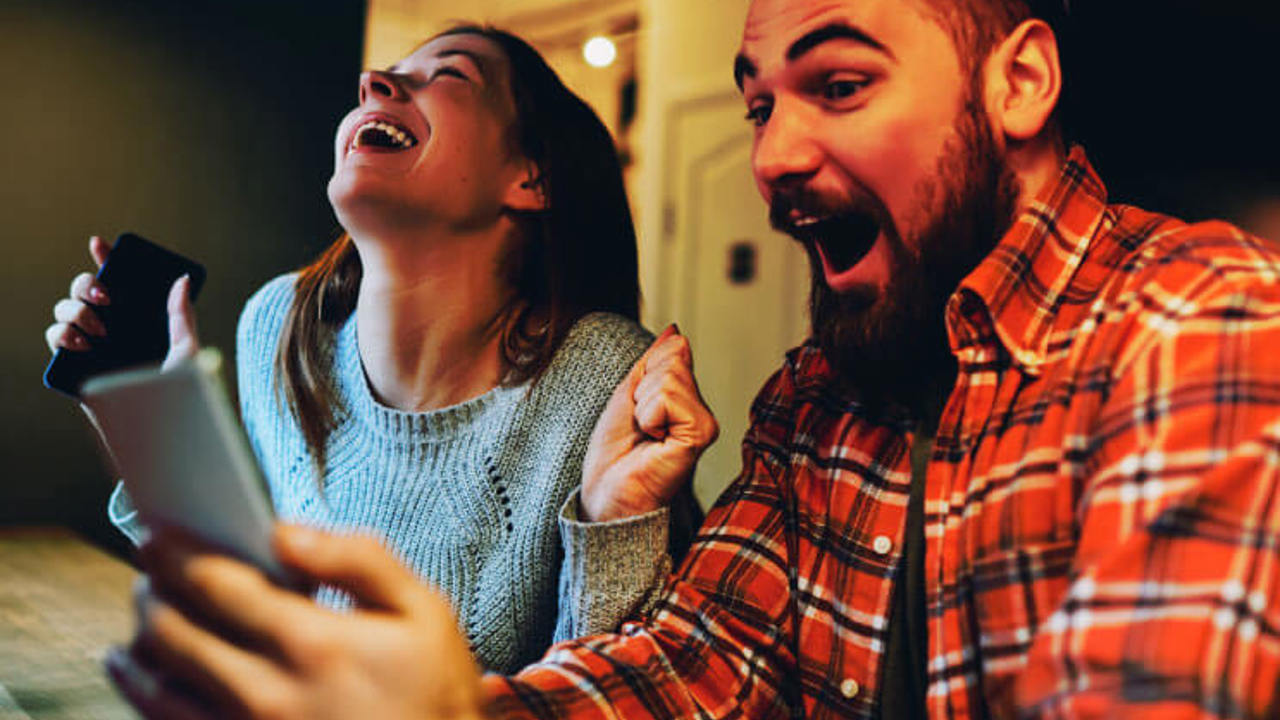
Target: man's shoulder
1179,284
1186,260
804,378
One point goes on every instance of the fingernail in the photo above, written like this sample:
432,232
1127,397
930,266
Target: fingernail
79,342
97,295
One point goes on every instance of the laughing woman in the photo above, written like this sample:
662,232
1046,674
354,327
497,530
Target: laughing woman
435,375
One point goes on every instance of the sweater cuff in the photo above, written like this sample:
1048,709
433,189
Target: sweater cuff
615,568
122,514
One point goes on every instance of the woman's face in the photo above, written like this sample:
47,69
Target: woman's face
429,145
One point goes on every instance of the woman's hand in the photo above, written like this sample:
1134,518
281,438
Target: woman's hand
217,640
649,437
76,321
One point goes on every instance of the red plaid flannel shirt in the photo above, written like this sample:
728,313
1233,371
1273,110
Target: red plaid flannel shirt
1101,508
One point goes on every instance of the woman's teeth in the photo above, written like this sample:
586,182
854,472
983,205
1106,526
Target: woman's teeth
376,133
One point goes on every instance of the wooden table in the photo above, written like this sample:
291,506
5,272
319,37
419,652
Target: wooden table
62,604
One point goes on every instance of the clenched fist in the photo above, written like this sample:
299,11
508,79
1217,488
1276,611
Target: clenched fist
648,440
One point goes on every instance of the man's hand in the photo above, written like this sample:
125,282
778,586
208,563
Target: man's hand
217,640
648,440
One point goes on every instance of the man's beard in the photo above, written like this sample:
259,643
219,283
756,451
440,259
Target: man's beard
890,348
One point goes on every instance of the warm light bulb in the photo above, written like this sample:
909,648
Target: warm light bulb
599,51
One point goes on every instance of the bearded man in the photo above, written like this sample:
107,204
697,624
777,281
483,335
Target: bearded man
1026,465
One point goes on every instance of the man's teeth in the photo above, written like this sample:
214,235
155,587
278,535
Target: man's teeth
806,221
364,132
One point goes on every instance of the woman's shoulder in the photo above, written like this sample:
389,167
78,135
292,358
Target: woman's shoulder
262,319
601,342
595,355
270,301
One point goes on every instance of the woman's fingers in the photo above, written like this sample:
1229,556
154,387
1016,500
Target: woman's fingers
230,595
144,689
358,564
668,404
183,342
86,288
65,335
199,659
98,250
75,312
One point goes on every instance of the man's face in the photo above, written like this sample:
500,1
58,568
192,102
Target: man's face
872,149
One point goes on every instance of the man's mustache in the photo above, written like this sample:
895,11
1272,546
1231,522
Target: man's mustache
786,205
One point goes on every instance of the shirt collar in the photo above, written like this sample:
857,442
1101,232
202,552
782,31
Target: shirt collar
1023,280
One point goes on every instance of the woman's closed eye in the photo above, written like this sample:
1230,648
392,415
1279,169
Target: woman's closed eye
450,71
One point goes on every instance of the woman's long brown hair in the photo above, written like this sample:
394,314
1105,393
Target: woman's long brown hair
577,256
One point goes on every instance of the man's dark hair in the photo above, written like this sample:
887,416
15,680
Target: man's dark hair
977,26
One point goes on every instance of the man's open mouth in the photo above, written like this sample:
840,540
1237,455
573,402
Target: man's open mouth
379,134
843,239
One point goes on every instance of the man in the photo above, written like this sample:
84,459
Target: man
1027,464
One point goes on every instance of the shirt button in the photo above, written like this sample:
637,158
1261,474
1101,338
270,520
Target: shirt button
849,688
882,545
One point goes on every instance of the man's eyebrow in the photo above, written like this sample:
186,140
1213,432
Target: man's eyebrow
833,31
743,68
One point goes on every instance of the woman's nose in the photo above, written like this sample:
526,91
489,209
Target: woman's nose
376,82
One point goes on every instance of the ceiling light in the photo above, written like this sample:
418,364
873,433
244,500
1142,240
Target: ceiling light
599,51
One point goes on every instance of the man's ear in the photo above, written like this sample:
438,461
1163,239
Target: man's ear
1024,81
526,193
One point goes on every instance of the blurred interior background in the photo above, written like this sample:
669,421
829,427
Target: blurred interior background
207,125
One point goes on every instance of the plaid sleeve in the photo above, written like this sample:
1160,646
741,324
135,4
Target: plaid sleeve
718,643
1172,609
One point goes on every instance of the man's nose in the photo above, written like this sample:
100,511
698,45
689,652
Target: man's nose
785,150
376,82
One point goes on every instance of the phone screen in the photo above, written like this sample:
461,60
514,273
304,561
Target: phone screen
137,276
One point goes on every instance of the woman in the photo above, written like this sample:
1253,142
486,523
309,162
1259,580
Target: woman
435,375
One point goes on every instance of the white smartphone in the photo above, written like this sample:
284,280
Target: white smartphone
184,459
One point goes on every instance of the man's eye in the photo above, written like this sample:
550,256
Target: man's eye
841,89
759,115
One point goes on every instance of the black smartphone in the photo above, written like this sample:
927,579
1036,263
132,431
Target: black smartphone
137,276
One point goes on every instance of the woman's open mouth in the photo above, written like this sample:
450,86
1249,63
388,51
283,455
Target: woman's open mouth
380,134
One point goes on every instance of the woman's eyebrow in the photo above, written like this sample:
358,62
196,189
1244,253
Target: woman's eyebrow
475,59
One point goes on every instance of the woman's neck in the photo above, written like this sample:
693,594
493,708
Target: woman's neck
427,314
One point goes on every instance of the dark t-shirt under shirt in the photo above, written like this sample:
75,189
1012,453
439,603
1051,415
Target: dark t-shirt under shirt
902,689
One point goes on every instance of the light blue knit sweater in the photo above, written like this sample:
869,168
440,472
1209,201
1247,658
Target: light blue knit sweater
468,496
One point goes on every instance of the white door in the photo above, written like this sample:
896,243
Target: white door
739,289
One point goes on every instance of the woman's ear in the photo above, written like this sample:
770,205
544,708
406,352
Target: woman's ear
526,192
1024,81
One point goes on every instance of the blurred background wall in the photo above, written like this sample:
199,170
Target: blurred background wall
208,126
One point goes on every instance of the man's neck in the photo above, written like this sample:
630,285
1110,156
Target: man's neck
1038,165
427,314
